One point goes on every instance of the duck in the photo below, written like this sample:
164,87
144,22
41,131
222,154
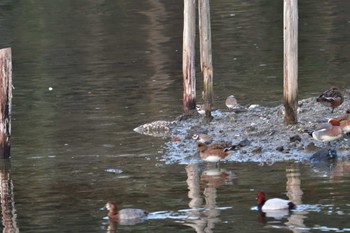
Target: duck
344,121
231,102
214,152
273,204
330,132
124,214
331,98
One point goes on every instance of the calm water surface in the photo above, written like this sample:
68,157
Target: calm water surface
113,65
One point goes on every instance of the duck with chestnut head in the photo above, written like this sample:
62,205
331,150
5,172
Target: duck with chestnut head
344,121
127,216
328,132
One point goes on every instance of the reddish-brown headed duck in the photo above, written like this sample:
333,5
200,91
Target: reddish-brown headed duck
331,131
344,121
124,214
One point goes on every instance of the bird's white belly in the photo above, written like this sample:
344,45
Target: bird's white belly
212,158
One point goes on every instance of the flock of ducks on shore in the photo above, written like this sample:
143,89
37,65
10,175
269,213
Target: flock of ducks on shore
333,130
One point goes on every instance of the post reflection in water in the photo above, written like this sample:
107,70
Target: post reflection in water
208,215
295,193
9,216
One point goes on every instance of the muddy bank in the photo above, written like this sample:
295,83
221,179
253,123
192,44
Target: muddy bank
260,131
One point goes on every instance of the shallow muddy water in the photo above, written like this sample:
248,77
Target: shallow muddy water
114,65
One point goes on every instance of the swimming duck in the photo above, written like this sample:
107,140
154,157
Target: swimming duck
214,152
273,204
124,214
331,131
231,102
331,98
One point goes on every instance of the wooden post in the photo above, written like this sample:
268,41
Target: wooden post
9,215
188,52
5,101
290,67
205,55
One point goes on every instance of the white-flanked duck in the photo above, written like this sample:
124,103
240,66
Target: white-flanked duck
273,204
329,132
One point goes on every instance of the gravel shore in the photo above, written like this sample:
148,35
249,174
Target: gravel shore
259,131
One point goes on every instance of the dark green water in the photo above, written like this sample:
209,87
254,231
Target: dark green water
113,65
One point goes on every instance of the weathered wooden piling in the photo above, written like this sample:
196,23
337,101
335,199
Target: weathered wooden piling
5,101
9,216
290,67
188,55
206,55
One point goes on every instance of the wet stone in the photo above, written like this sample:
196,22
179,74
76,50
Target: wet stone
295,138
311,147
257,150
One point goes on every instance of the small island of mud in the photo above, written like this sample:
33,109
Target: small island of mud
259,133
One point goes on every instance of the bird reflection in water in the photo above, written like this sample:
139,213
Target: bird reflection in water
215,177
206,211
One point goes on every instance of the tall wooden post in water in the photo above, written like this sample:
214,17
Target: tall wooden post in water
5,101
188,51
205,55
290,66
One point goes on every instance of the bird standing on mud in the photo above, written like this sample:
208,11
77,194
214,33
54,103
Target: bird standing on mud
231,102
344,121
214,152
329,132
200,109
331,98
203,138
